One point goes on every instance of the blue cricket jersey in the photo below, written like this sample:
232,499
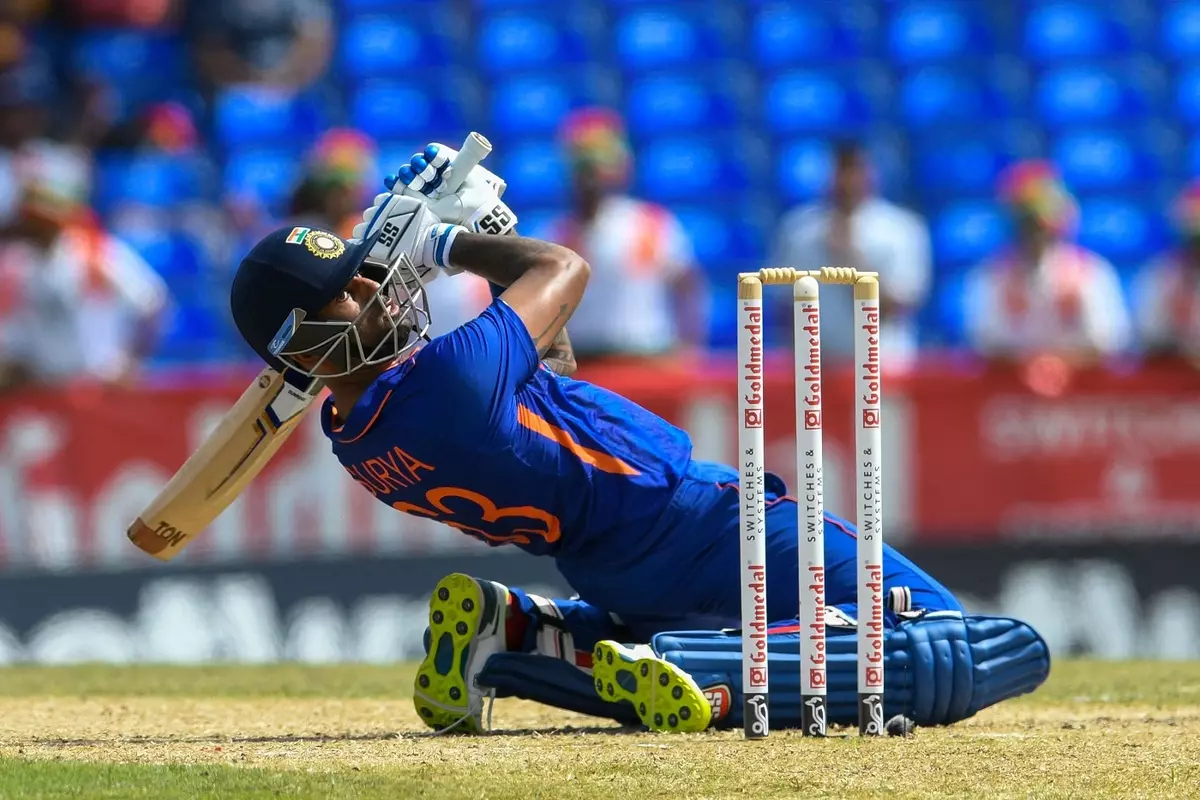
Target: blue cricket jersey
474,432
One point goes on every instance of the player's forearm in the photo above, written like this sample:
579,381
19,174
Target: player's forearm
545,281
561,356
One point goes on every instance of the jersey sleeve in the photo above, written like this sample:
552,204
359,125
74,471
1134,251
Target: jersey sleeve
478,367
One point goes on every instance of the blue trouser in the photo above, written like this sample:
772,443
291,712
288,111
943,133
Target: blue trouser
690,578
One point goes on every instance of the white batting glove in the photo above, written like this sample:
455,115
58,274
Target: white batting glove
409,226
476,205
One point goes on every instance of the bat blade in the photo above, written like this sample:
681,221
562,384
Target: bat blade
250,433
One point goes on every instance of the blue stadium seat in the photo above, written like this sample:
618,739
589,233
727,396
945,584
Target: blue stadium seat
803,169
958,163
669,36
815,102
677,102
933,97
127,55
515,41
680,168
536,222
1101,160
965,233
191,334
1181,30
378,46
1065,30
150,179
925,32
535,171
1085,93
537,103
267,175
388,110
723,242
138,67
1187,95
786,35
250,115
387,6
1119,229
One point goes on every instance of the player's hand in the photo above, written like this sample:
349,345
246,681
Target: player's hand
476,204
408,226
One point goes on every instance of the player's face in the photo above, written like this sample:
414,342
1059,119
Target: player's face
374,326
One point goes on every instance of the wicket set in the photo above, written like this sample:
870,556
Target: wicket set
809,468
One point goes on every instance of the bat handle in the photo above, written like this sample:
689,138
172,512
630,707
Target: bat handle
474,150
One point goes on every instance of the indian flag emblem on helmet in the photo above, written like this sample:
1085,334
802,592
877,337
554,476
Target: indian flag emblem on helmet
324,245
297,235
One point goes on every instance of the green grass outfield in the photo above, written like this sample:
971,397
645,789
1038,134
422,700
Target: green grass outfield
1094,730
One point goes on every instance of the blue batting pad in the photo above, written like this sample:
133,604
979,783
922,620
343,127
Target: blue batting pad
552,682
938,669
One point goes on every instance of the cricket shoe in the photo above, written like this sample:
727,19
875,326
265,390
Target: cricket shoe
466,626
664,696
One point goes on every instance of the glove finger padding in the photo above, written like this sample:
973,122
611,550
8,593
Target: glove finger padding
475,204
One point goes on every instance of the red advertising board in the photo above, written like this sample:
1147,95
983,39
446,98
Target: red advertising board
966,455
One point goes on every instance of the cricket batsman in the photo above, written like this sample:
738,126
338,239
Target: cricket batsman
484,429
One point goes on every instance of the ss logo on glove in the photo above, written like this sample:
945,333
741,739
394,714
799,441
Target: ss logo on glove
496,221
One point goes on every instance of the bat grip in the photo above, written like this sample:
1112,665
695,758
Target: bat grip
474,150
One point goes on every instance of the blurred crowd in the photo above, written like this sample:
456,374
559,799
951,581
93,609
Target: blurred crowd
93,287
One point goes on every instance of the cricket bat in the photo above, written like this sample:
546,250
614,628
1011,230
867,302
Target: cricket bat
245,440
249,434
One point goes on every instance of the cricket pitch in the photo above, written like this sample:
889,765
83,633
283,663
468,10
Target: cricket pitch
1096,729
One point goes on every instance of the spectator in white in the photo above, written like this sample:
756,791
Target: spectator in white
1044,297
26,91
1167,292
86,306
285,44
647,296
855,227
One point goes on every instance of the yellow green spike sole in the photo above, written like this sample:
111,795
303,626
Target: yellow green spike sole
440,692
664,696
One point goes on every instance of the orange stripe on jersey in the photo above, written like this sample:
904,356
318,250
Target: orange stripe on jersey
601,461
374,417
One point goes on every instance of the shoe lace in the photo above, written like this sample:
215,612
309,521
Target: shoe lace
487,728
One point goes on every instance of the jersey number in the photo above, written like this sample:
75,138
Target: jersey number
526,521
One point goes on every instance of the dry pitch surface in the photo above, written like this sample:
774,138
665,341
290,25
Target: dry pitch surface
1095,729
